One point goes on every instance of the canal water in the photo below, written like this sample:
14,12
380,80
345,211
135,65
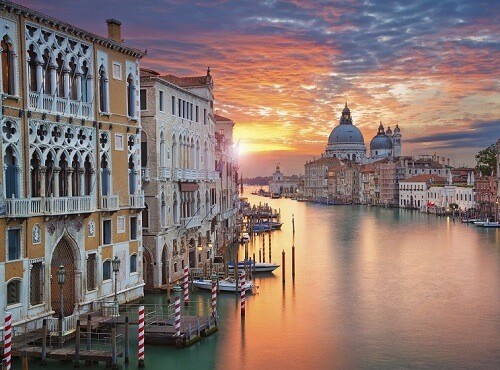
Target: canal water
374,288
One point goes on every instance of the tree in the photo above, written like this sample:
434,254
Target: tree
487,161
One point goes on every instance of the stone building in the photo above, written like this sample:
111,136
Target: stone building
413,192
71,180
316,177
179,177
282,185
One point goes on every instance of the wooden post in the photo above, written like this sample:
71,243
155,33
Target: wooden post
283,266
253,266
260,255
114,364
293,225
77,344
293,262
127,341
177,316
89,338
236,271
269,245
44,341
25,361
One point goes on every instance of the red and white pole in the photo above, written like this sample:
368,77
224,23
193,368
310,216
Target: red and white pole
186,286
177,315
242,293
7,340
214,298
141,336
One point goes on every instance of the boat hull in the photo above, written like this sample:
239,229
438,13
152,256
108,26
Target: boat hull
224,285
259,266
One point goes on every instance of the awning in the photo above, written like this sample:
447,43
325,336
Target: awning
188,186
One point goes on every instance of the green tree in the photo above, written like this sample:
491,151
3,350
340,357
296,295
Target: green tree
487,161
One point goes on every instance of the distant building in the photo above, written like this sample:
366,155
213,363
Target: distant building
282,185
413,191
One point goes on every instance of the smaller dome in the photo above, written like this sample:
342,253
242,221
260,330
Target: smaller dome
388,131
397,130
381,141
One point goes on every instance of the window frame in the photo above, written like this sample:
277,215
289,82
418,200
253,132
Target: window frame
110,231
132,228
106,262
20,241
145,100
161,101
136,271
19,288
116,76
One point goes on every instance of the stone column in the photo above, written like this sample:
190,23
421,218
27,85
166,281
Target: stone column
65,74
43,171
81,184
53,81
57,170
78,83
39,74
69,181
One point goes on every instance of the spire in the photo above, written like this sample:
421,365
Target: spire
208,71
381,128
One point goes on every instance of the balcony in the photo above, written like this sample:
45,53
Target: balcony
136,200
212,176
145,174
165,173
57,105
110,202
26,207
190,222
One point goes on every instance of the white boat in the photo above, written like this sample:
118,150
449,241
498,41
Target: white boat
245,238
469,220
480,223
225,285
491,224
259,266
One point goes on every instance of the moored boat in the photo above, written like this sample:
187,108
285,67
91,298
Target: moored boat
259,266
469,220
480,223
491,224
225,285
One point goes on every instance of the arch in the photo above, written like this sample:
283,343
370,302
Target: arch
147,263
105,175
65,254
8,72
11,172
130,96
164,265
33,62
103,89
13,292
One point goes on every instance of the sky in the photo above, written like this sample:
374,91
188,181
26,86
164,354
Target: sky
283,70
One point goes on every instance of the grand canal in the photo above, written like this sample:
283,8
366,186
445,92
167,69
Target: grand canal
374,288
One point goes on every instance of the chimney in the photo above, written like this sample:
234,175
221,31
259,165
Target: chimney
114,30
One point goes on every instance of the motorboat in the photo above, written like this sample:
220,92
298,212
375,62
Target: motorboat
225,285
469,220
257,228
244,238
259,266
480,223
266,226
491,224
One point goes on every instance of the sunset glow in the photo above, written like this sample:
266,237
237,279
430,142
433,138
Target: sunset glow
283,70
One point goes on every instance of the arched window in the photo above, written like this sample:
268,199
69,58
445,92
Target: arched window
86,83
175,209
11,174
7,67
174,152
162,151
105,176
144,149
130,96
133,263
163,211
75,177
63,176
103,90
60,72
32,67
72,80
145,217
49,175
46,73
14,292
106,270
88,176
35,175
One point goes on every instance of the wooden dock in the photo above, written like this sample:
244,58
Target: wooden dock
193,328
66,354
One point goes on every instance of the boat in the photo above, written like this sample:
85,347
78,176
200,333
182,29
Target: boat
469,220
244,238
275,195
491,224
273,225
259,266
225,285
257,228
480,223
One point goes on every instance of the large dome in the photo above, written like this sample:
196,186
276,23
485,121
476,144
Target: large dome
346,134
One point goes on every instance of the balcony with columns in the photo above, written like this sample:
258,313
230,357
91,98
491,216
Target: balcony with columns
110,202
165,173
188,174
146,174
136,200
190,222
49,206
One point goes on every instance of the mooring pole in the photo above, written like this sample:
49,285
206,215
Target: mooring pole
113,346
77,344
293,262
127,341
44,341
283,266
293,225
269,245
89,338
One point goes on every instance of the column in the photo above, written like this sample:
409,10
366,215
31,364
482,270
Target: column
81,183
65,74
57,170
43,171
78,82
53,81
39,74
69,182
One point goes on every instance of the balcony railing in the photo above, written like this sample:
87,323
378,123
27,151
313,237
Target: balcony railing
110,202
136,200
25,207
212,175
165,173
60,105
189,222
146,174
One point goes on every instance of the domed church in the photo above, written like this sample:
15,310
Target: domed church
346,141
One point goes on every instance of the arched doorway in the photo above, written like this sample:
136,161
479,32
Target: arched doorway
192,253
147,263
164,266
63,255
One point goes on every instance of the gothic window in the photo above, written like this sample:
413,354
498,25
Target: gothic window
145,217
86,83
63,176
11,175
105,176
174,152
7,67
88,176
49,175
36,283
130,96
14,292
35,175
175,209
60,76
72,80
144,149
46,73
32,67
133,263
162,151
75,177
103,90
91,267
106,270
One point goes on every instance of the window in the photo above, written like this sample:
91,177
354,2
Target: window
133,263
118,142
131,97
120,224
173,104
175,266
143,100
179,107
117,71
133,228
14,244
144,149
106,232
145,217
36,283
103,90
205,116
91,263
7,67
14,292
197,114
161,102
106,270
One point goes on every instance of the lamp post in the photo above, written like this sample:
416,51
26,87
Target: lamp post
209,246
61,278
116,267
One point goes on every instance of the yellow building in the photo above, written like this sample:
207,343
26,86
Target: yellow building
70,189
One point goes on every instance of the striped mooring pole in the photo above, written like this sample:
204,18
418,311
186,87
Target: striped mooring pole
7,340
242,293
214,298
186,286
141,336
177,315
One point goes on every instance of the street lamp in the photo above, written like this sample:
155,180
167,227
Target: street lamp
61,278
115,262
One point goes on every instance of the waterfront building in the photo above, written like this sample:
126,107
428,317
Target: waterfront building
316,177
282,185
179,177
486,195
343,181
226,165
367,184
71,182
413,192
441,197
